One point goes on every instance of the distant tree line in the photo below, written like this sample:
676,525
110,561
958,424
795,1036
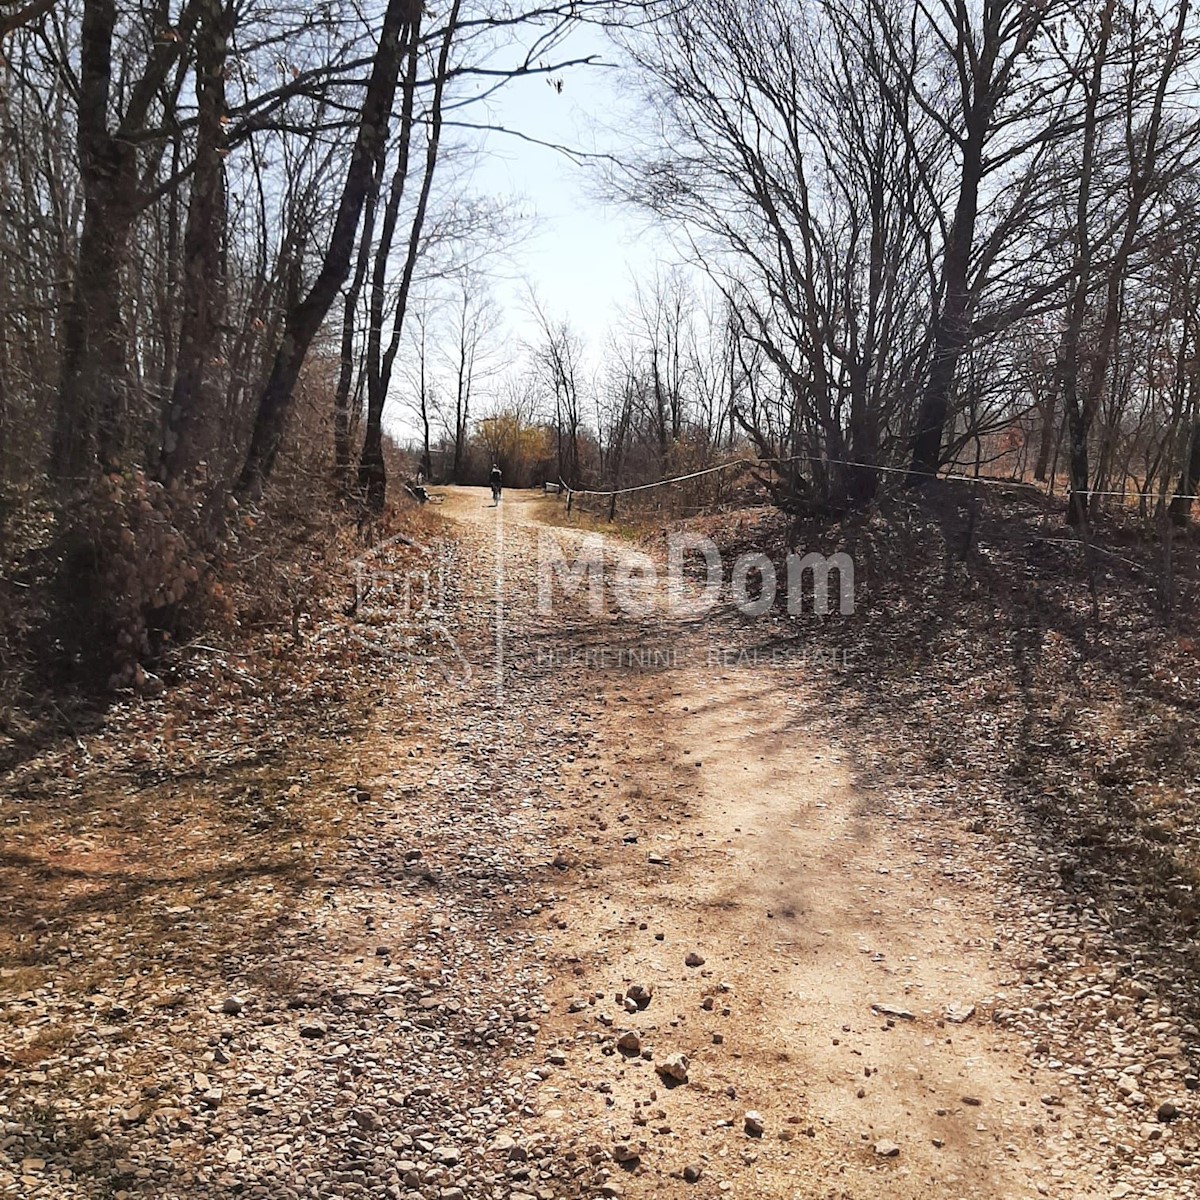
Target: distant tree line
934,234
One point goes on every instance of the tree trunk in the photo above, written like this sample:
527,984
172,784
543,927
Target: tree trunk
168,284
952,325
426,456
4,418
92,398
462,414
1189,480
372,475
192,418
1078,424
341,400
460,443
860,483
303,320
92,386
1142,182
1049,416
1079,411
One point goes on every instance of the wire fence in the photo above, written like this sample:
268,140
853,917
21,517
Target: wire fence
606,500
704,490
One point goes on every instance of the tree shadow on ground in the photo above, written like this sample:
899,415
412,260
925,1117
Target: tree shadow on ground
1092,726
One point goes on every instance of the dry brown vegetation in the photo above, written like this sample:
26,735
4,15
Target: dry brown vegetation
975,651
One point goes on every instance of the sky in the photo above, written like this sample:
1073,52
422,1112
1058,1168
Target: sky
580,255
583,254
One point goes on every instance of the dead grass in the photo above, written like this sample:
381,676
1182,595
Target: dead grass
974,654
49,1040
178,836
552,510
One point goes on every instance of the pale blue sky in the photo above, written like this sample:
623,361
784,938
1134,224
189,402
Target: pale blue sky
583,254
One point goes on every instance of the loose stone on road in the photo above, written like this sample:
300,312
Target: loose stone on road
583,928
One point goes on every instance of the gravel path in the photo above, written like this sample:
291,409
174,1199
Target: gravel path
374,1033
641,920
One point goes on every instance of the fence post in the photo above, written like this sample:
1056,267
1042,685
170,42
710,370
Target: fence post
570,500
612,508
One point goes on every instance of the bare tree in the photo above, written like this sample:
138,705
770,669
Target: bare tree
92,396
1003,120
192,411
470,352
809,198
1145,163
557,357
400,31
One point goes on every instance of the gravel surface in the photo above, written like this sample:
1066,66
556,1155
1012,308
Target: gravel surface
482,954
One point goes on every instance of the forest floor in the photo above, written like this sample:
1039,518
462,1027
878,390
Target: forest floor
435,911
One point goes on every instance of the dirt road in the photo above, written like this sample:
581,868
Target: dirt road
847,960
486,900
